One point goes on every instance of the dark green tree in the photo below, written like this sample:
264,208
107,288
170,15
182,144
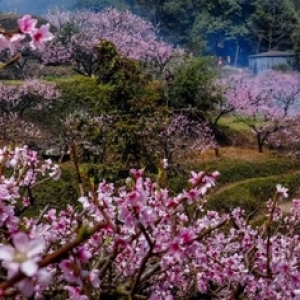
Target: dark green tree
297,5
133,98
222,25
214,26
193,86
272,24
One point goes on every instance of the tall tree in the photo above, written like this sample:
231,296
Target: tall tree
272,24
204,25
174,17
222,24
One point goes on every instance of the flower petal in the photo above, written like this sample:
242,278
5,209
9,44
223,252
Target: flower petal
44,277
36,247
20,241
26,287
29,268
12,267
7,252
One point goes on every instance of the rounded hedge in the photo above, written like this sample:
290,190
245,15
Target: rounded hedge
253,194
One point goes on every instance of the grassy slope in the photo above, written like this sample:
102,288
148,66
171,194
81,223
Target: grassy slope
248,178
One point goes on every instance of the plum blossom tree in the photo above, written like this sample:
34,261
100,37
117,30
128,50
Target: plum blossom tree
80,31
13,128
267,103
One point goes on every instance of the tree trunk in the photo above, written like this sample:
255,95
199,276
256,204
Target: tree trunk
260,143
217,152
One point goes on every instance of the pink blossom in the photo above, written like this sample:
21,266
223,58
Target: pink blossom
27,24
137,173
25,254
40,36
187,235
168,242
165,163
281,191
26,286
196,177
94,278
75,293
132,35
83,255
6,44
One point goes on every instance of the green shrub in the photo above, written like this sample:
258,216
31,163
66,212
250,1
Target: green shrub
178,182
235,197
232,170
84,92
193,84
57,194
78,93
254,193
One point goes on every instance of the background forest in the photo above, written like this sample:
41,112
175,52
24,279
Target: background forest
218,27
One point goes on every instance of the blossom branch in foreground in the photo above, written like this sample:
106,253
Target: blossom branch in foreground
141,252
26,28
56,256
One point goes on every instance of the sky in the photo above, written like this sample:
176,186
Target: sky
29,6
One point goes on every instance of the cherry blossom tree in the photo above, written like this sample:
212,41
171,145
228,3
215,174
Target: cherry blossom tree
13,128
267,103
174,136
79,32
33,93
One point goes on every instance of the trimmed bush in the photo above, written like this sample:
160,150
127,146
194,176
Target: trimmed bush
84,92
254,193
237,170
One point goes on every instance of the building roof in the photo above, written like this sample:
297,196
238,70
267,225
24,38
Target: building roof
273,54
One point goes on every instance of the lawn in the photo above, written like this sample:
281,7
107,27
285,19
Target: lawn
233,123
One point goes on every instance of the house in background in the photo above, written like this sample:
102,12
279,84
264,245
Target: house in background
270,60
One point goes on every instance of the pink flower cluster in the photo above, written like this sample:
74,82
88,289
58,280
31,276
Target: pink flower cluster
183,134
176,135
142,241
27,27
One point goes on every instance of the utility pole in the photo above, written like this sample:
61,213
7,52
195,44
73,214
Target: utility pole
237,52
